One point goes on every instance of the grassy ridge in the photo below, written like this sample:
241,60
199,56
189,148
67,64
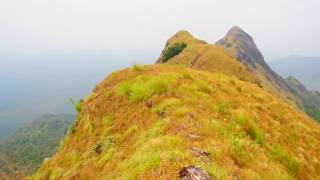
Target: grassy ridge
150,121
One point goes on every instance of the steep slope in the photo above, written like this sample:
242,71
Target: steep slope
242,46
24,151
149,122
306,69
309,100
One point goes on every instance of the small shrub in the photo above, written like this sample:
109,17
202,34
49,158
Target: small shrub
173,50
96,149
137,67
76,105
72,129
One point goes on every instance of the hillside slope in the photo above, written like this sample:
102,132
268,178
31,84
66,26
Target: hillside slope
200,55
242,46
309,100
235,55
23,152
149,122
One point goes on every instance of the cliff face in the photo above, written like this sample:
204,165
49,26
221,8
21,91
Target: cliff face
244,47
241,45
295,85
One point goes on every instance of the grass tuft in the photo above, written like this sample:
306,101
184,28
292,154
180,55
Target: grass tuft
280,155
143,87
249,127
137,67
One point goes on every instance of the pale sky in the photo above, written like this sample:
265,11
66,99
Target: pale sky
279,27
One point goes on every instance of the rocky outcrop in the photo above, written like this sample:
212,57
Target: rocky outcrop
240,44
193,173
295,85
246,49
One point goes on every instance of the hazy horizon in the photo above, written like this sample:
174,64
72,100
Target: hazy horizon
280,28
53,50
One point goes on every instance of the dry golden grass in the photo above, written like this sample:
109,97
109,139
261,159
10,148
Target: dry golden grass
203,56
208,57
248,133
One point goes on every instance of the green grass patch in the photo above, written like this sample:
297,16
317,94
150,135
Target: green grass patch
137,67
76,105
249,127
153,147
284,158
223,108
143,87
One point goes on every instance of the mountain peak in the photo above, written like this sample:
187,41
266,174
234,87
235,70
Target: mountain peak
243,47
237,32
183,33
296,85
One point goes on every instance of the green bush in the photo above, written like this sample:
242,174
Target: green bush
173,50
76,105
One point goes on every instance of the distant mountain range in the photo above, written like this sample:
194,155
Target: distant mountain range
23,151
40,83
306,69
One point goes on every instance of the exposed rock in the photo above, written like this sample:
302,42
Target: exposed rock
296,85
198,152
194,136
149,104
162,114
193,173
247,51
242,46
